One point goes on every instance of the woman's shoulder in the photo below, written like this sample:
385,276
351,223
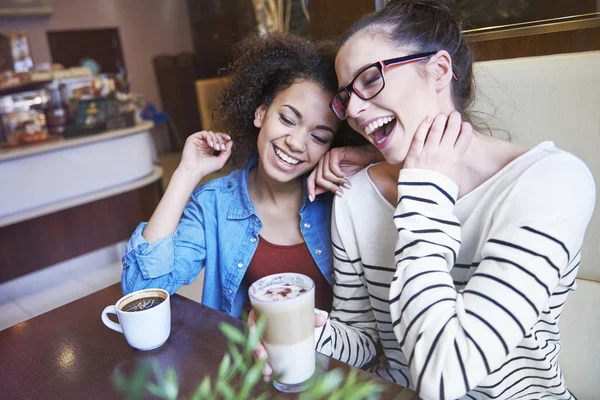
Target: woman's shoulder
372,190
556,166
364,178
225,183
220,192
552,179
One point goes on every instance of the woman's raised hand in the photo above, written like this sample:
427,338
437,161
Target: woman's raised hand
205,152
440,144
336,165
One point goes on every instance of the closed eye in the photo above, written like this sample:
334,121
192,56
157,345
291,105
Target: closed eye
371,81
285,120
319,139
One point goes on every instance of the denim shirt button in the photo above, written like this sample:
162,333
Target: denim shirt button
318,251
306,225
240,265
253,239
229,291
123,262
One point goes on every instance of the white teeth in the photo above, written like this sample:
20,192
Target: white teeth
285,157
373,126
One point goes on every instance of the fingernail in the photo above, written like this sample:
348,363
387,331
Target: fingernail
311,198
339,193
346,185
222,146
228,137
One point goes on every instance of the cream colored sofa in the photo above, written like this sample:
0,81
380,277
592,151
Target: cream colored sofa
557,98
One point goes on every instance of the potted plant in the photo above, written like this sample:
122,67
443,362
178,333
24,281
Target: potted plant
239,377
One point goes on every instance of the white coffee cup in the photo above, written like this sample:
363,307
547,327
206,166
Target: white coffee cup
144,318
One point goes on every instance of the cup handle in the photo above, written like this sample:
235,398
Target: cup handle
112,325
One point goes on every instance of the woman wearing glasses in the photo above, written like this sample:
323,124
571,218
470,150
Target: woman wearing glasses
457,255
258,220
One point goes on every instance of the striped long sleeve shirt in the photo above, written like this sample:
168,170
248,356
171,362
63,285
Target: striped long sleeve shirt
464,296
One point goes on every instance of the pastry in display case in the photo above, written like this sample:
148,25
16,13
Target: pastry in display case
43,101
30,127
23,118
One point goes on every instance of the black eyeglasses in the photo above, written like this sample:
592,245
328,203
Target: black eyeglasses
370,81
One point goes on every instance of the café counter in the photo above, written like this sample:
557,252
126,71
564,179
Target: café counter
67,197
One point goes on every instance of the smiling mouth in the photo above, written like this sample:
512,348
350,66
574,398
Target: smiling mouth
379,129
286,158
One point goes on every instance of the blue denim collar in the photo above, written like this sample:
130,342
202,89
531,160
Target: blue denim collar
241,206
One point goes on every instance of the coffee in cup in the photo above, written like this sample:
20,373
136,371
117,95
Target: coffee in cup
287,301
144,318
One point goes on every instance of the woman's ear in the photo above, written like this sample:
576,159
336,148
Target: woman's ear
441,69
259,115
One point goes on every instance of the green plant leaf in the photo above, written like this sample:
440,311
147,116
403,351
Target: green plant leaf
233,334
256,334
251,379
134,387
224,389
324,385
119,381
263,396
354,388
156,390
367,390
225,364
239,364
203,391
171,386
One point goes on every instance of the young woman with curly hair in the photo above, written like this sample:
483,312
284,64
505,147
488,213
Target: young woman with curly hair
258,220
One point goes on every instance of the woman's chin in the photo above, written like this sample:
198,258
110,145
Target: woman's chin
393,155
390,159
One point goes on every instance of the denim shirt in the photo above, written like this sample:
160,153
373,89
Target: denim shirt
219,231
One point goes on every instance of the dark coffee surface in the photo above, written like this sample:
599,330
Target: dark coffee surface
145,303
68,353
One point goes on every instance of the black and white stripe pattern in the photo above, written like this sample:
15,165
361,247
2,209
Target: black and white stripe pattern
464,296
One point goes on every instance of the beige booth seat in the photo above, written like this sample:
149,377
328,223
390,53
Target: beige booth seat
557,98
208,91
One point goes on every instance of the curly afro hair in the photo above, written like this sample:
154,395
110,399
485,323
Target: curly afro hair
263,67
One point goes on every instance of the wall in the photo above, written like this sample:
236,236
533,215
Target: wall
147,27
331,18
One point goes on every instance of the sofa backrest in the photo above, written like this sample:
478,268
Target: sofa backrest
557,98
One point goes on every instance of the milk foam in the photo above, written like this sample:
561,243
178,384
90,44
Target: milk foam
280,291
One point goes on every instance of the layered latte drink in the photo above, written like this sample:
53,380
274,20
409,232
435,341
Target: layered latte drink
288,302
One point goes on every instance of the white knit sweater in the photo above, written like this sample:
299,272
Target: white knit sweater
464,296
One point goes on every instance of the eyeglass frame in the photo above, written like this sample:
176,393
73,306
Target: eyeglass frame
381,66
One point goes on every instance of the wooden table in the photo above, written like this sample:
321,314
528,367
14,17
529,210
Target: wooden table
68,353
